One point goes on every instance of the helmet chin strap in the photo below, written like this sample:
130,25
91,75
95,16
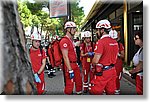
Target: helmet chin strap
34,47
70,32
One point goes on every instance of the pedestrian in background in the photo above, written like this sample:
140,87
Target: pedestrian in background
77,46
138,63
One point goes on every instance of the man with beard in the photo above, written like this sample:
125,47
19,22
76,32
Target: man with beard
105,57
71,69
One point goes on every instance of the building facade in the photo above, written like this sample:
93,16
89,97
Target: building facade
125,16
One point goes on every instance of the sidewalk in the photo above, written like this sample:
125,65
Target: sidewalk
55,85
127,75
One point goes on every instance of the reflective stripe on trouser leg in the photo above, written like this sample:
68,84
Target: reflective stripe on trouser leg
84,72
85,84
40,87
43,87
120,75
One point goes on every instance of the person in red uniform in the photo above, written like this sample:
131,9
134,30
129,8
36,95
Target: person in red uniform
105,56
138,63
119,63
38,62
71,68
87,54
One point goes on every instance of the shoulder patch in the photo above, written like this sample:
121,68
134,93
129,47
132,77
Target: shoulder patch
65,45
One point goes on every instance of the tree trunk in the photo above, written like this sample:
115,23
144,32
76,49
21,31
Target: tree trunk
17,72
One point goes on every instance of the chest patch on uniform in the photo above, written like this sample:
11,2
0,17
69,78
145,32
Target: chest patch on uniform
64,45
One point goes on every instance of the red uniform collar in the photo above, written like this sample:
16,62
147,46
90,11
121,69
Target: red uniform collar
104,36
69,37
34,50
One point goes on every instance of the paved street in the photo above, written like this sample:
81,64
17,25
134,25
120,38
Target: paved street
55,85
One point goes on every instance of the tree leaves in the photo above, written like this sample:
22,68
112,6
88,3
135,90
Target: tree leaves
32,15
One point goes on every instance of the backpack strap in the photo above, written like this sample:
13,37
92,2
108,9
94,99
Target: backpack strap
140,50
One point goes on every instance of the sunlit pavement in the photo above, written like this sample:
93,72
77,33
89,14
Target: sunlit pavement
55,85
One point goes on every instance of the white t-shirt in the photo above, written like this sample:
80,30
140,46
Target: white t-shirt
138,57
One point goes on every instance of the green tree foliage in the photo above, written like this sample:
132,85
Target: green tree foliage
25,14
77,13
42,20
35,8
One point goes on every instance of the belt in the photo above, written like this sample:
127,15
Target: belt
73,61
108,67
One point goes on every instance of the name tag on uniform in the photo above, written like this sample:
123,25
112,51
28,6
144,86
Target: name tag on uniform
88,60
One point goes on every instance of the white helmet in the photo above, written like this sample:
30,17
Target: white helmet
70,24
87,34
103,24
35,36
113,34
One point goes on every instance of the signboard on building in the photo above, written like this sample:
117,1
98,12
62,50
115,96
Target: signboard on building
58,8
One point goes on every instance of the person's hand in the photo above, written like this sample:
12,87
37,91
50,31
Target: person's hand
37,79
130,71
71,73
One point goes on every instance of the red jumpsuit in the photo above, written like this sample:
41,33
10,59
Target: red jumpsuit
108,48
66,43
119,67
86,61
36,62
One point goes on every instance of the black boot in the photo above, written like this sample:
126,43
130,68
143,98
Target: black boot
49,75
52,74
